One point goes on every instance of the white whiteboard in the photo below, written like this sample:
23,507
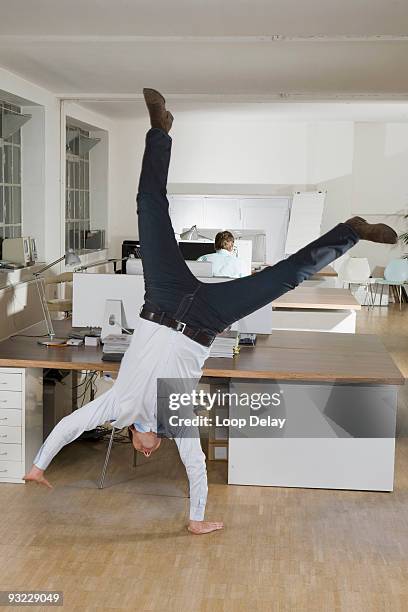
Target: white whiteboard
305,219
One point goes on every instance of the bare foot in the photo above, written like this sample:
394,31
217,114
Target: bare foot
36,475
201,527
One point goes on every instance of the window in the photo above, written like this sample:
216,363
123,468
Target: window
10,178
77,197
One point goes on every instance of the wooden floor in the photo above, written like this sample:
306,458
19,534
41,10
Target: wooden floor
282,549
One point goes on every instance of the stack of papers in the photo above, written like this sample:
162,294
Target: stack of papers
116,344
225,344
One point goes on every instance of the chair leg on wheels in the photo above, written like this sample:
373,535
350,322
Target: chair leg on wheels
105,465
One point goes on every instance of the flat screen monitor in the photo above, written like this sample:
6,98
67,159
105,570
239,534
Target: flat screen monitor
192,250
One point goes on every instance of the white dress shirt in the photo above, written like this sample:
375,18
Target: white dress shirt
155,352
224,263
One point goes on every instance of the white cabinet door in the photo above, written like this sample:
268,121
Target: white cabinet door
222,212
270,215
186,211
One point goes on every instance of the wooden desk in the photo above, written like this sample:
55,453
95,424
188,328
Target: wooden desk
303,298
328,271
284,355
339,399
345,386
311,308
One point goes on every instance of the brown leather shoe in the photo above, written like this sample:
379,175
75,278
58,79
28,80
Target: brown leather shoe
156,105
375,232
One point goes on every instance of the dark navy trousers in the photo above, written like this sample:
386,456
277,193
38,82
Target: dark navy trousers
172,288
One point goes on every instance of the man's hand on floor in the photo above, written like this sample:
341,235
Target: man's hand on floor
201,527
36,475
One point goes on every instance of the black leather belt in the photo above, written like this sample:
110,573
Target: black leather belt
163,319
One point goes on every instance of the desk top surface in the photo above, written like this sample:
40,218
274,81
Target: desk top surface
321,298
283,355
327,271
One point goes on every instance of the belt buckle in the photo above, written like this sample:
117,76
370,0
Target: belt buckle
180,326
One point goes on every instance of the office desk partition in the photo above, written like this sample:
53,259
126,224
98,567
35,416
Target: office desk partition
332,379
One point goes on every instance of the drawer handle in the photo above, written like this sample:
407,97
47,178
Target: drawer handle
3,454
4,436
4,382
3,401
4,419
2,471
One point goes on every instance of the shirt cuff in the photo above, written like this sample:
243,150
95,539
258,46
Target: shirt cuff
144,427
41,462
197,513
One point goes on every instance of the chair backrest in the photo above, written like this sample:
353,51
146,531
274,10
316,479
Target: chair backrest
134,266
65,277
198,268
355,269
201,268
397,270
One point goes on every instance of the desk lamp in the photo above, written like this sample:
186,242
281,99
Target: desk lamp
104,262
192,234
71,259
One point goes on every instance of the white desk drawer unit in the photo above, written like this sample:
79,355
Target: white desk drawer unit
10,435
21,421
10,399
10,381
10,470
10,417
10,452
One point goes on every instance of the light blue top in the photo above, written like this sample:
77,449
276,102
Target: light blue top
224,263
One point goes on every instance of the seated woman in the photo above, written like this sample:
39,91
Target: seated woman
223,260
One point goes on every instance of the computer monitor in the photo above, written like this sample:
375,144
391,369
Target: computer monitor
130,247
91,291
193,249
256,236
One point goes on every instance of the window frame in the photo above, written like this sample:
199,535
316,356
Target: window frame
11,200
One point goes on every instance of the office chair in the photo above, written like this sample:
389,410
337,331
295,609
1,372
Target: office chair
395,277
59,304
107,457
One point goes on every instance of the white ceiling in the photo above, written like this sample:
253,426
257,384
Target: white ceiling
260,112
249,50
203,17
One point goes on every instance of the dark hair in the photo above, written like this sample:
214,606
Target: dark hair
223,239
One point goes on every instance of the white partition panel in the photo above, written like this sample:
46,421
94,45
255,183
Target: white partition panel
305,219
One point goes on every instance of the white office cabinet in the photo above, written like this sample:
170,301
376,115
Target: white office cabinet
21,420
269,214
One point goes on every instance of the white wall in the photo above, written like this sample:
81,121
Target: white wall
362,166
238,148
227,152
43,167
33,170
330,167
48,186
126,151
19,307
